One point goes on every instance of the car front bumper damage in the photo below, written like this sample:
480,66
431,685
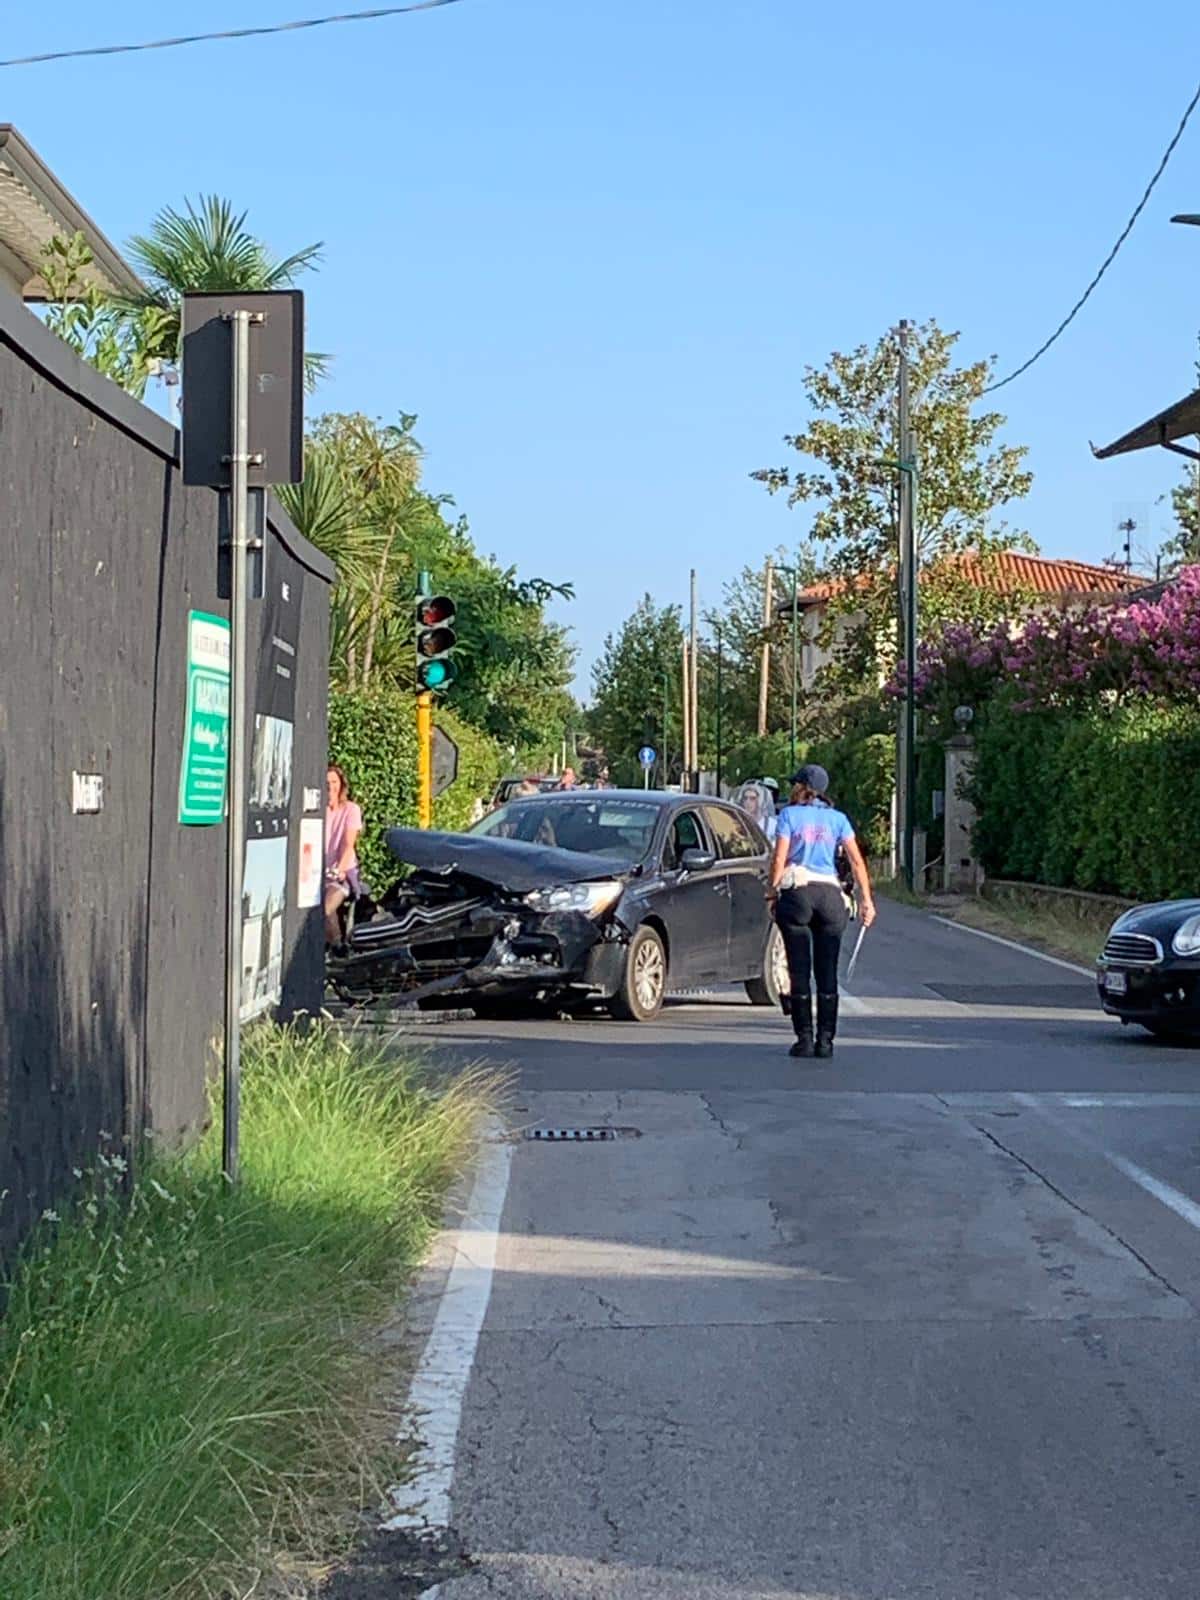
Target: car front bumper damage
486,949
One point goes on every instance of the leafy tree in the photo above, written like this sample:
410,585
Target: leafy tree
628,681
739,623
965,475
83,315
362,502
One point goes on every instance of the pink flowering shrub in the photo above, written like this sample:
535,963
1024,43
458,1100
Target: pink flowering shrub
1100,655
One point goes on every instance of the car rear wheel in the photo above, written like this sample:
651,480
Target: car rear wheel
774,982
644,979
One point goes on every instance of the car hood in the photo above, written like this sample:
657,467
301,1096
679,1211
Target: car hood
1166,914
508,863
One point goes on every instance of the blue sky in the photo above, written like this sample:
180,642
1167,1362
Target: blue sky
593,243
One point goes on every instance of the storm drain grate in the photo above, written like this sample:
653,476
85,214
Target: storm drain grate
579,1135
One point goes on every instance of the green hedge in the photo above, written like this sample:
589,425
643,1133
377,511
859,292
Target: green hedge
373,735
861,767
861,770
767,757
1105,801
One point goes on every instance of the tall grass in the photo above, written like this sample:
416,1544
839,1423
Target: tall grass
187,1382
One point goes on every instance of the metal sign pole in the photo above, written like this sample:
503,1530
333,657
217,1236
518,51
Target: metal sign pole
239,524
425,760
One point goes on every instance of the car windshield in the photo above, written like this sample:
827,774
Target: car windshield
619,829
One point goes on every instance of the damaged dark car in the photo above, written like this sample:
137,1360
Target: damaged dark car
574,898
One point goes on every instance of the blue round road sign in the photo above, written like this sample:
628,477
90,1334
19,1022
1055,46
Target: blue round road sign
647,756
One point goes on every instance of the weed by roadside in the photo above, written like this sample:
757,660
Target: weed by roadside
187,1382
1070,935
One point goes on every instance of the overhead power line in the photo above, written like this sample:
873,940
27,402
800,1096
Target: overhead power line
231,33
1112,254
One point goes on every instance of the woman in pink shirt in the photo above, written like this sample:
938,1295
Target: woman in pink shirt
343,824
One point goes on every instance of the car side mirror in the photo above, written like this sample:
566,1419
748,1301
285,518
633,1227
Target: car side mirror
696,860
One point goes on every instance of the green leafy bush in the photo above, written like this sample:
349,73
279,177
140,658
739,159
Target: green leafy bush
373,735
766,757
1104,800
861,771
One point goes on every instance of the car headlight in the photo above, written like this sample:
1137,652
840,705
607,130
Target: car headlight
589,898
1187,938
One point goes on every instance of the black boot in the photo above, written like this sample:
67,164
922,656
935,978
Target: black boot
827,1015
803,1024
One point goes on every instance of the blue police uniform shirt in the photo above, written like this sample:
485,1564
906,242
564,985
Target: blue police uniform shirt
813,833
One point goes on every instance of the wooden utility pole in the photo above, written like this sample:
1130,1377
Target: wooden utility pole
765,681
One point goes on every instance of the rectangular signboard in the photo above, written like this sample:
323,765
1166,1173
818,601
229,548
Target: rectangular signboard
205,761
276,386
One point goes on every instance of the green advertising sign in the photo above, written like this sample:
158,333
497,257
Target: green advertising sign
206,730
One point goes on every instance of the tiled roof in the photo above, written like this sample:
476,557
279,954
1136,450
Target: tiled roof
1014,572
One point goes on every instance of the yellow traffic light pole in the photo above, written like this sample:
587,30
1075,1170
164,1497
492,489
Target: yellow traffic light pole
425,759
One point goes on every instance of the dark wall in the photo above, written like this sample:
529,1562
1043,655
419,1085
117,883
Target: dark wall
112,925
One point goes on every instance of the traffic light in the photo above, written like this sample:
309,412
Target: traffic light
435,639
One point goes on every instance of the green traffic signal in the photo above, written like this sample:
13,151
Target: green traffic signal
435,674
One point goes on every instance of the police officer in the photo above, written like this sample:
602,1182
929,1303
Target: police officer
810,906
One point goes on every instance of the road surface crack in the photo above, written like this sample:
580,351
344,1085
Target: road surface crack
1079,1209
739,1141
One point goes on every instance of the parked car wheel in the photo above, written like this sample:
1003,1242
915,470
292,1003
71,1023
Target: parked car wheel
774,982
644,980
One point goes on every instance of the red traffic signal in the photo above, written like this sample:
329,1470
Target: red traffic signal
435,611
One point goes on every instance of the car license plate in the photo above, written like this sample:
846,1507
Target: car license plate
1115,983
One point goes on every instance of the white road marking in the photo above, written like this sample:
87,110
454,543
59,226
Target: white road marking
853,1006
439,1385
1174,1199
1129,1102
1011,944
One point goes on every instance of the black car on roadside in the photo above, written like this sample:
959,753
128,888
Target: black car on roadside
1149,970
604,896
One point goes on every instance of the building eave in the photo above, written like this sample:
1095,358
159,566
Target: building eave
35,208
1176,422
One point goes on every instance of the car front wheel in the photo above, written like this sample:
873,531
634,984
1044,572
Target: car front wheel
774,981
643,979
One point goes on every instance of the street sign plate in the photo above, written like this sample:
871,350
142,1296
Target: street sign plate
647,756
445,761
206,728
276,387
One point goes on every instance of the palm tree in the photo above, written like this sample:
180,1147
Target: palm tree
360,503
204,247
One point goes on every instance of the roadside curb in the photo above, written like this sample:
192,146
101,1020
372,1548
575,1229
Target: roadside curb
348,1018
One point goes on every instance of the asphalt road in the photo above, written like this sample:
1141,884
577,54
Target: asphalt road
920,1322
